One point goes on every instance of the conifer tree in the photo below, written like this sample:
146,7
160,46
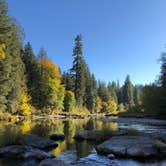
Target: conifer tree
103,91
91,93
78,71
137,95
11,66
68,81
113,89
163,70
128,91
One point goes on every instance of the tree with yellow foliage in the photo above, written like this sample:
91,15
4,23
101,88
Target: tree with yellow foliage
98,105
2,52
49,90
24,106
109,107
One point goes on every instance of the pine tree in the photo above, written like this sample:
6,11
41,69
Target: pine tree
163,70
162,90
91,93
68,81
128,91
137,95
113,89
78,71
11,66
30,62
103,92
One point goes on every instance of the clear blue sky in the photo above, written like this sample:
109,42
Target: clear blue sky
120,37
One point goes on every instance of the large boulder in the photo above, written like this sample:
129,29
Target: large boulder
88,135
57,137
38,142
23,152
129,146
52,162
97,135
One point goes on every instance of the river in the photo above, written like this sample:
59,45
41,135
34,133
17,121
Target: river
76,153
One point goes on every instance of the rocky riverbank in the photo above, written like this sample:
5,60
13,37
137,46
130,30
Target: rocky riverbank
32,150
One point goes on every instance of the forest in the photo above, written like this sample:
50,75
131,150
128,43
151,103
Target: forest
33,85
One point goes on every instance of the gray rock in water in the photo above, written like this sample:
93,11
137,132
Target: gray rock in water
38,142
57,137
23,152
111,156
88,135
97,135
129,146
53,162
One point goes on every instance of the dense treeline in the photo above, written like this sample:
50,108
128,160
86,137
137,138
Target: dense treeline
33,84
154,98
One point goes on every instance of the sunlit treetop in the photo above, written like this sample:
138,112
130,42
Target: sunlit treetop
52,69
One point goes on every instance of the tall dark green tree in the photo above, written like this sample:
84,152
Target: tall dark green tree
68,81
113,89
11,67
30,62
103,91
128,91
78,71
137,95
162,80
32,73
91,93
163,70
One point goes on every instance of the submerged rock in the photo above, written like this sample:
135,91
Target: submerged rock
129,146
23,152
97,135
57,137
88,135
52,162
38,142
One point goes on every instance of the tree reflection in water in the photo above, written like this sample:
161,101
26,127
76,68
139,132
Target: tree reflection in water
12,133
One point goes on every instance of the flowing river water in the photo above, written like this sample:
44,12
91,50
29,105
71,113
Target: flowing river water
76,153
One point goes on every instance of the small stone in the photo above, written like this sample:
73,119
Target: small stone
111,156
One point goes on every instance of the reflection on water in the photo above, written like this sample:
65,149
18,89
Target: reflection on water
69,149
12,133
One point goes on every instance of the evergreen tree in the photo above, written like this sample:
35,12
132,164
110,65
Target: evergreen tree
11,66
68,81
103,92
162,90
128,91
113,89
137,95
91,93
78,71
163,70
31,68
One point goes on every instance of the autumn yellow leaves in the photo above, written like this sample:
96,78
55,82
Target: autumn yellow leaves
2,51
